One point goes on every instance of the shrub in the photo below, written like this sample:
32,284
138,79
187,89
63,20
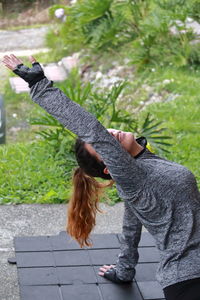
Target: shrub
145,26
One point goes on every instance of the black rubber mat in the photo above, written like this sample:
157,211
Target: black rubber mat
55,268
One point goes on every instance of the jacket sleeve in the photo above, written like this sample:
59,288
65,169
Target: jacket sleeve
131,234
122,166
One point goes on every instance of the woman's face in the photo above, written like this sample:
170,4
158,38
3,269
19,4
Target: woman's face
126,139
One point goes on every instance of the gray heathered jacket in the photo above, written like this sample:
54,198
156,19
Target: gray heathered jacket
160,194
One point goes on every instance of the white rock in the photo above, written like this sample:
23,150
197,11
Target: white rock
171,97
147,88
115,71
98,75
70,62
126,61
195,26
189,20
166,81
59,13
15,129
189,24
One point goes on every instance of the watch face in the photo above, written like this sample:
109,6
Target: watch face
142,141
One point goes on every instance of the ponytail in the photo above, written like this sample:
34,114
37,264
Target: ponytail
83,206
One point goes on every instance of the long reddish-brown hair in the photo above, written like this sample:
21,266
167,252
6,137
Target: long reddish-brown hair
83,205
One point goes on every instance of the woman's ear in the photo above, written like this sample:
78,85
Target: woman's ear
106,171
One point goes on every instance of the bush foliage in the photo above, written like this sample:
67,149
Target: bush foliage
146,26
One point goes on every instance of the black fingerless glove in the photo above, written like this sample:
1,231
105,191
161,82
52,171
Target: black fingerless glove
32,75
112,276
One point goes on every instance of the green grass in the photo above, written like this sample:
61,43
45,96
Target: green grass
32,173
20,27
180,116
29,173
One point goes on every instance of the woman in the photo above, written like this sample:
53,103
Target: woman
160,194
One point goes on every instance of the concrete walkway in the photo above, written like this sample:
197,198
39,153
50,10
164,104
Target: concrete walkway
24,42
30,220
31,38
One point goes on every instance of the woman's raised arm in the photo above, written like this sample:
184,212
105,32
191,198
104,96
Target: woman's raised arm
124,169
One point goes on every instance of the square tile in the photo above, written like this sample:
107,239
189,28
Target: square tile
76,275
38,276
146,271
104,257
128,291
148,254
151,290
80,292
34,243
72,258
40,293
34,259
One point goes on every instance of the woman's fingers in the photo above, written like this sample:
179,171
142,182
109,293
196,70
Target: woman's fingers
15,59
32,59
7,62
104,269
11,61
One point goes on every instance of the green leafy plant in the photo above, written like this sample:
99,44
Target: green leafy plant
194,11
153,131
145,26
90,24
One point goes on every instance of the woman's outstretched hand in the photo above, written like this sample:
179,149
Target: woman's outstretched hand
30,75
11,62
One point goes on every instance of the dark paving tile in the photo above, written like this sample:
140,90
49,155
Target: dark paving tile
72,258
35,243
120,292
103,257
37,276
81,292
149,254
35,259
40,293
105,241
68,272
146,271
146,240
150,290
63,242
75,275
100,241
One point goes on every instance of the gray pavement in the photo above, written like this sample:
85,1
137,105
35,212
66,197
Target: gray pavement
30,38
40,219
